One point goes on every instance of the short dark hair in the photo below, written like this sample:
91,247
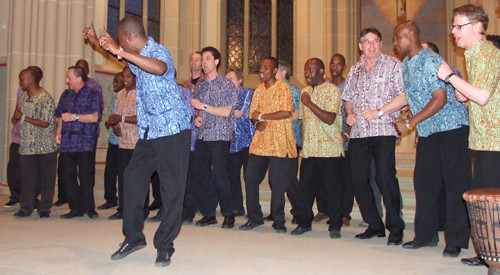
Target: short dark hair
433,47
35,72
283,66
84,64
273,60
318,61
368,30
132,25
339,56
215,53
79,72
474,13
495,39
237,72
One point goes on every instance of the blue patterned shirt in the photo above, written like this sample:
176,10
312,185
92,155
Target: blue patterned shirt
77,136
297,125
186,97
420,79
243,127
220,92
159,105
113,138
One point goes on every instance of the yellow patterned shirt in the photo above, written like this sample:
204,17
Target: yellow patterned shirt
483,67
277,140
320,139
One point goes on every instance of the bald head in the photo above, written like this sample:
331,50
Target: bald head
132,26
409,27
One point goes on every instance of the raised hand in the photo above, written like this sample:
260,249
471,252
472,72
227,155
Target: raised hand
108,43
90,35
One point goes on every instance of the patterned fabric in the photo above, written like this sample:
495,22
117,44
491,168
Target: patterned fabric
77,136
220,92
186,97
297,125
92,83
126,106
369,91
159,106
194,88
243,127
483,67
420,78
38,140
16,129
320,139
277,140
113,138
344,115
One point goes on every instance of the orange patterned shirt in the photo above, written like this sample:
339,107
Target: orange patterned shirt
277,140
483,67
126,106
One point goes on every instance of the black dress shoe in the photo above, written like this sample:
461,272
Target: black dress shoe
250,225
395,239
156,218
10,204
417,244
163,258
228,222
299,230
107,205
71,214
206,221
116,216
368,234
335,234
269,218
451,251
21,214
279,228
44,214
155,205
474,261
126,249
60,203
92,214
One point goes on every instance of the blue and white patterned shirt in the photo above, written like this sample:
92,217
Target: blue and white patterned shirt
186,97
420,79
113,138
297,125
220,92
159,105
243,127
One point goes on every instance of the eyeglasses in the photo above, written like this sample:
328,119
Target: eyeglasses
459,27
368,42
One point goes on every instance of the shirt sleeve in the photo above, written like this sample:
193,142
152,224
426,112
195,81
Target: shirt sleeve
285,98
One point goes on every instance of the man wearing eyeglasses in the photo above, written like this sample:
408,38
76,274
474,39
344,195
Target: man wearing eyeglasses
372,83
483,67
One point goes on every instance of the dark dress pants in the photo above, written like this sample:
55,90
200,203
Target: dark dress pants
14,172
211,158
236,161
80,195
382,149
111,174
317,173
486,169
347,190
190,200
61,188
443,157
124,156
169,156
38,170
279,178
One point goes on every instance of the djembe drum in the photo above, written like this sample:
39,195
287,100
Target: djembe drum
484,215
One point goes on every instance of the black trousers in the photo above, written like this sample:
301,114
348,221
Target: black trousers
155,188
443,157
124,156
190,200
486,169
61,188
14,172
236,161
211,158
111,174
80,194
317,173
382,149
169,156
279,177
38,170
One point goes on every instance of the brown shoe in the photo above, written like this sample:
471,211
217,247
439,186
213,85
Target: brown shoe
346,221
320,216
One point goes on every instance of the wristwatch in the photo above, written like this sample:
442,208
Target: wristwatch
205,107
76,117
380,112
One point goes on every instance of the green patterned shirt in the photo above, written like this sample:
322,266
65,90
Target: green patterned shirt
483,67
38,140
